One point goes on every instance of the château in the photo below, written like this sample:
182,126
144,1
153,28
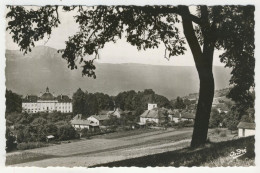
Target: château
47,102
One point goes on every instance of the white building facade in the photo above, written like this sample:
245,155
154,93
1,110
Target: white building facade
47,102
246,129
151,106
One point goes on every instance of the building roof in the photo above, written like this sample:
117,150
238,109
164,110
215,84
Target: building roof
154,113
77,120
50,136
30,98
101,117
176,115
63,98
46,96
245,125
188,115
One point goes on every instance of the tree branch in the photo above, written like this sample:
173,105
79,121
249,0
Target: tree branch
191,37
167,9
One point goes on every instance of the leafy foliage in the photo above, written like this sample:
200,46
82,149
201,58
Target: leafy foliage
89,104
179,103
28,26
13,102
232,120
215,119
10,140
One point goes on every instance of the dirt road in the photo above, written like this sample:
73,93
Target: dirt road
104,149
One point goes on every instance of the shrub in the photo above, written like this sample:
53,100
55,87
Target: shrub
85,133
30,145
10,140
67,132
217,131
223,134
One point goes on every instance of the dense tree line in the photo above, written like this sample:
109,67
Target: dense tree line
89,104
13,102
92,103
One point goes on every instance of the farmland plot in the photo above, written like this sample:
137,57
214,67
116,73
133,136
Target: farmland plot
103,150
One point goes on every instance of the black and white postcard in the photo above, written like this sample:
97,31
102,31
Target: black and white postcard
129,85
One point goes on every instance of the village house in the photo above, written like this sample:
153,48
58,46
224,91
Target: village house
79,123
215,101
246,129
187,116
116,113
174,115
177,116
153,114
98,119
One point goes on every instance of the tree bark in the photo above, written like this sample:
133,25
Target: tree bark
206,94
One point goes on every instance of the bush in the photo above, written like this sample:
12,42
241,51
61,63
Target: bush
67,132
185,124
85,133
217,131
10,140
30,145
223,134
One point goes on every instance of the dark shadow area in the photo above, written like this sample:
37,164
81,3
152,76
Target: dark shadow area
193,157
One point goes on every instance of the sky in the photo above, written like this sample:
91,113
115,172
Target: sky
120,52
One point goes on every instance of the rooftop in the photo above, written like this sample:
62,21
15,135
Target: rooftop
77,120
154,113
47,96
246,125
101,117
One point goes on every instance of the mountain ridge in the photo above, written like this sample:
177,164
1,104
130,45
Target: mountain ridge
33,72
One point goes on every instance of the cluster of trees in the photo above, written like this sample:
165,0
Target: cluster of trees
137,101
92,103
35,127
89,104
230,119
13,102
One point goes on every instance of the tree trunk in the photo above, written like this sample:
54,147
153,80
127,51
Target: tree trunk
206,94
203,60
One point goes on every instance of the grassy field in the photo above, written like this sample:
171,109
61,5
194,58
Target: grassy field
102,146
212,155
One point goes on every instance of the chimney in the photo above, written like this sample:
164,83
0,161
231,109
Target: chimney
47,90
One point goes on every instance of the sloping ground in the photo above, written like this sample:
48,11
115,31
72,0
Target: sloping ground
213,155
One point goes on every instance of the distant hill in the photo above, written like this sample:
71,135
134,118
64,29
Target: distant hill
32,73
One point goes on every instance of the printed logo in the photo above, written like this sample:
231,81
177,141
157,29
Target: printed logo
237,153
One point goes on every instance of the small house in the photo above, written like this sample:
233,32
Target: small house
187,116
79,123
174,116
98,119
246,129
156,115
